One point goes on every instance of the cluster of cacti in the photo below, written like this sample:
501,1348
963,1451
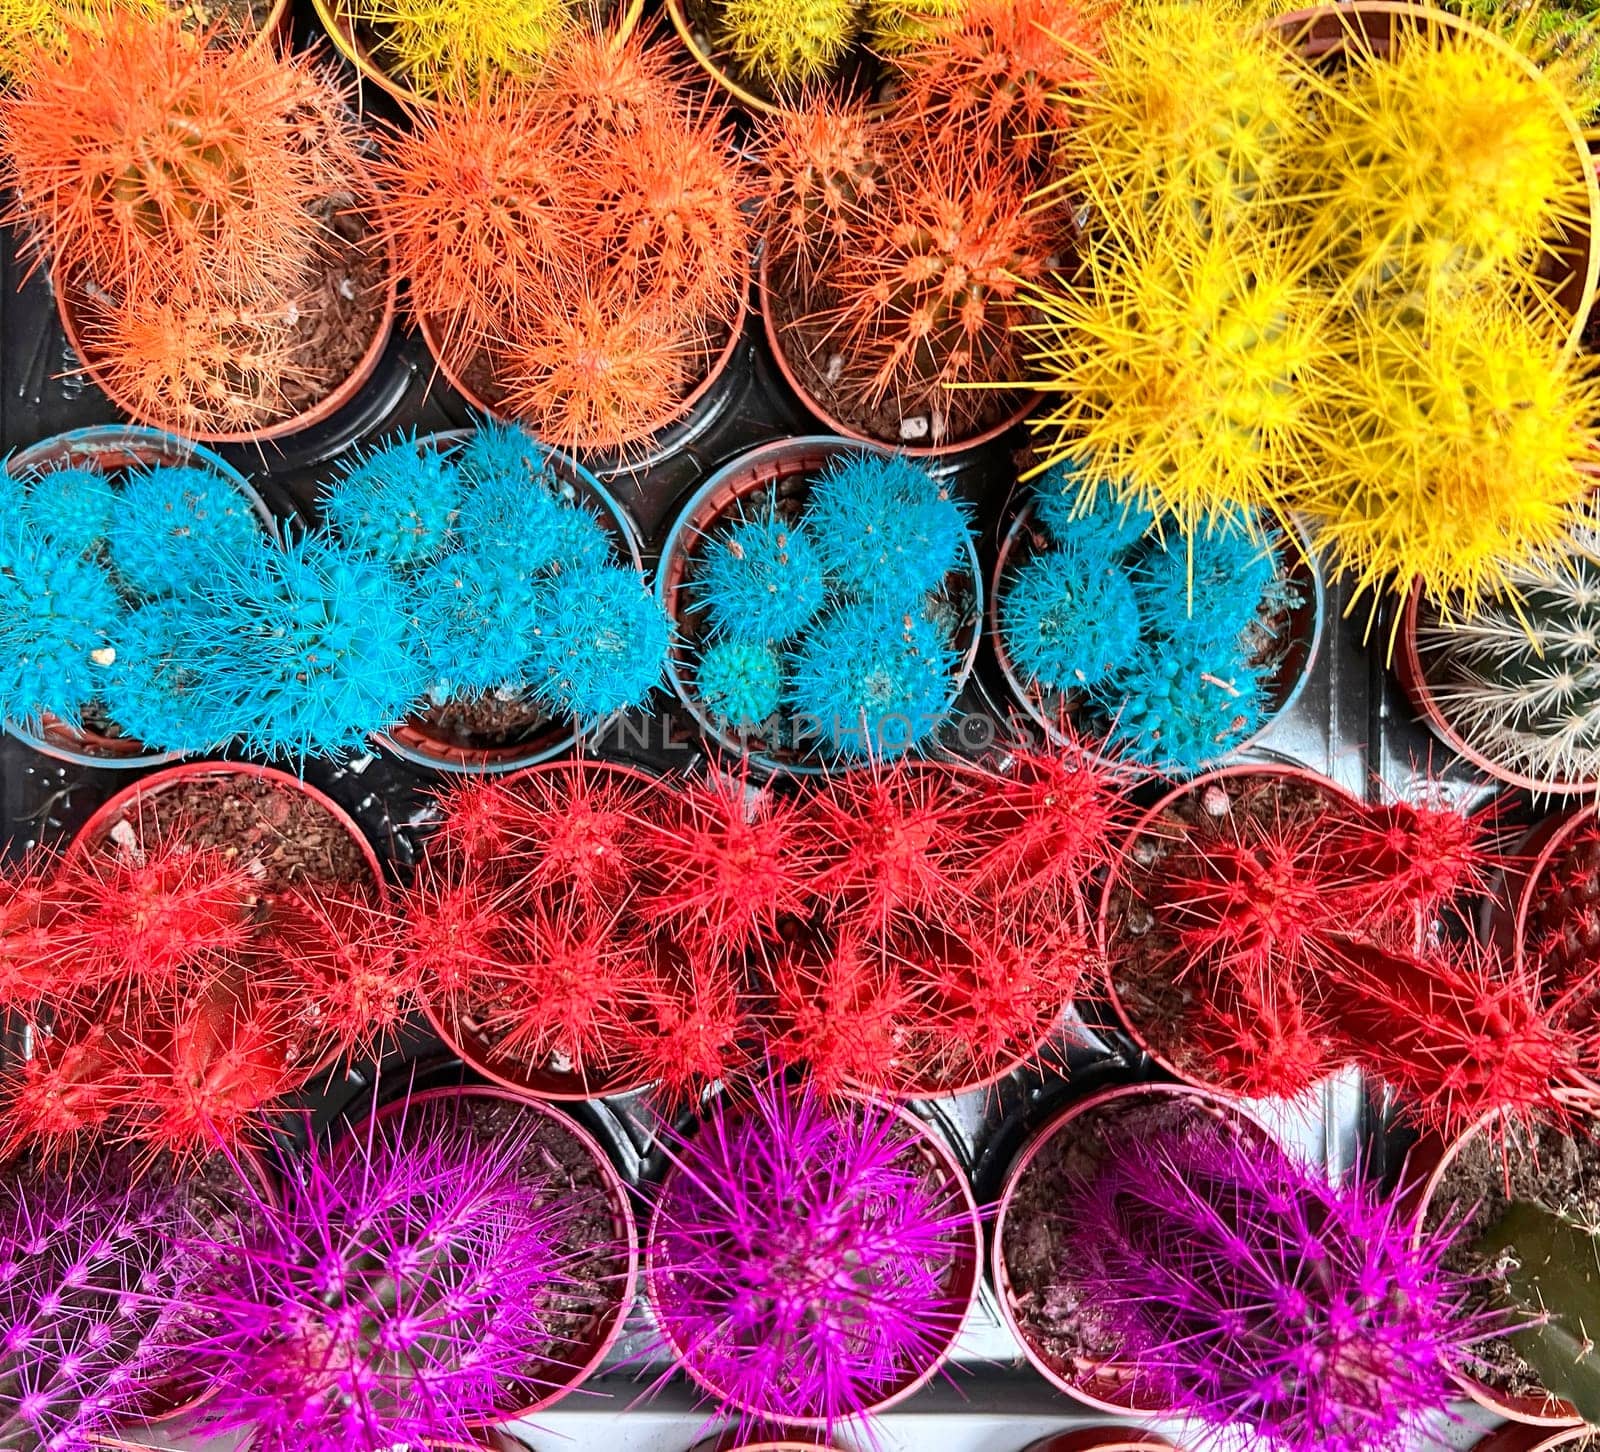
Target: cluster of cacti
901,925
579,237
1172,649
801,1256
401,1291
84,555
1324,291
1242,1289
182,196
171,991
461,46
827,609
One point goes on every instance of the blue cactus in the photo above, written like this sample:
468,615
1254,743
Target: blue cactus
1233,577
603,643
173,524
503,453
1069,618
313,646
520,521
1181,710
762,580
478,619
397,503
59,618
73,507
885,528
871,679
156,691
740,682
1057,501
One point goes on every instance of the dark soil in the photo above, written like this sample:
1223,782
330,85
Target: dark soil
229,17
479,723
1139,949
1037,1245
561,1170
1544,1167
293,839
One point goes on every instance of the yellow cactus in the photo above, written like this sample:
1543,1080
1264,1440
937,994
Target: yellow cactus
895,26
1194,101
1455,442
1445,163
1183,368
452,47
1558,34
783,45
30,25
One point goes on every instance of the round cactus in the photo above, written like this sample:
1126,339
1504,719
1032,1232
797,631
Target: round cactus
72,506
1069,618
1059,500
786,44
171,526
762,580
1181,710
740,682
602,643
395,502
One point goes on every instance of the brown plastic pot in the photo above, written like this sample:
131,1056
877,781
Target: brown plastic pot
1289,775
768,465
1046,709
68,293
1102,1439
1102,1385
1433,1159
1326,31
559,1375
1413,678
961,1283
474,1046
412,740
107,448
635,443
839,426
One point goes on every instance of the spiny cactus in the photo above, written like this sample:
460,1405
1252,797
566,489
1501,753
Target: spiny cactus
32,27
842,1014
1212,588
885,529
1450,159
800,1254
784,45
695,1028
924,301
1184,708
461,46
895,26
1247,1290
170,522
72,506
1183,370
872,680
408,1281
1562,932
762,580
740,683
1454,451
1001,76
1070,618
603,644
396,502
1519,678
1091,517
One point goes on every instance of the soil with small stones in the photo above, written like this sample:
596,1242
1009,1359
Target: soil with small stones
294,839
590,1248
484,723
229,17
1545,1167
1068,1335
788,496
1139,948
805,342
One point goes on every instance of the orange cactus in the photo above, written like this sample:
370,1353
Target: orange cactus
142,160
598,93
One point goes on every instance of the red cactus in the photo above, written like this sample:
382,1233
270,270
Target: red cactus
604,94
1457,1033
32,967
731,860
844,1014
1259,1037
81,1076
695,1027
999,77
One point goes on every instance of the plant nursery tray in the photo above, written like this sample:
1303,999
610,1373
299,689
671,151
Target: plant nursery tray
1350,723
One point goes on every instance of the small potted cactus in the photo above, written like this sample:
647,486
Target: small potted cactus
576,245
455,1262
561,928
202,212
98,1291
212,938
1159,1239
1177,652
526,586
1515,685
101,524
810,1261
826,600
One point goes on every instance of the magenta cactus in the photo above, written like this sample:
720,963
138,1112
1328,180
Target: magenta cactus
802,1255
400,1293
1245,1289
90,1279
